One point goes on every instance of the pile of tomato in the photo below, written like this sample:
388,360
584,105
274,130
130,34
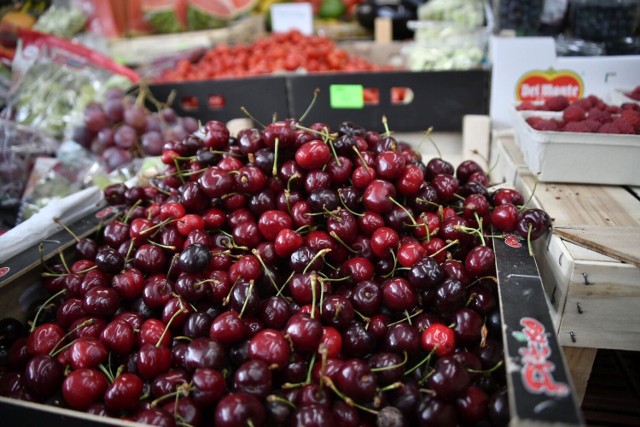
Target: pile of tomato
275,53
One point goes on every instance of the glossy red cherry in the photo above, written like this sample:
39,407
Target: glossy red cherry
84,387
383,241
118,336
377,196
449,379
272,222
124,393
313,154
87,353
44,339
439,338
304,332
271,347
480,261
507,195
504,217
533,223
153,360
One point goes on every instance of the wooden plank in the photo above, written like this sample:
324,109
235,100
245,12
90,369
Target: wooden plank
601,308
622,243
574,204
476,133
580,362
556,267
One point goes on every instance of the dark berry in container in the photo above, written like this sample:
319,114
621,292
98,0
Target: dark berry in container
603,20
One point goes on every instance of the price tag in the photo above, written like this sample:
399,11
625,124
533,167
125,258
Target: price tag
292,16
346,96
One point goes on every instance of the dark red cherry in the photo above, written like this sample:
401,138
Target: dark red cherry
83,387
356,380
253,377
465,169
480,261
449,379
271,347
239,409
533,223
377,196
398,295
43,375
205,353
507,195
124,393
504,217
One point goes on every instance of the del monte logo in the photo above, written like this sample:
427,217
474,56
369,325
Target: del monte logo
537,85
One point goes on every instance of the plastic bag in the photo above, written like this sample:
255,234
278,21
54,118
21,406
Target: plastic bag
19,147
53,79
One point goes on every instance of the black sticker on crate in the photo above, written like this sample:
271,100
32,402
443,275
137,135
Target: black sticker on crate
537,378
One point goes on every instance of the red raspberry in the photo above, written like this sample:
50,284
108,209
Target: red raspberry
533,121
584,103
613,109
592,125
556,103
573,113
599,115
595,100
624,126
635,94
632,117
608,128
584,126
548,125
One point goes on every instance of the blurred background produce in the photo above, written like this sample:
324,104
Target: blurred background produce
449,35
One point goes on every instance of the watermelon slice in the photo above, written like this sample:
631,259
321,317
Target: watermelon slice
164,16
205,14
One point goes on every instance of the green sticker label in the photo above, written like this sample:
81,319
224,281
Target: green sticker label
346,96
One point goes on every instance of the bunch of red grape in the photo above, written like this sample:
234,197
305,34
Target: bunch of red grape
291,275
121,128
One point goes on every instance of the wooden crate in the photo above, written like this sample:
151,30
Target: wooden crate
589,264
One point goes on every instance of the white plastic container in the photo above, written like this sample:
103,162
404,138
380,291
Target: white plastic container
583,158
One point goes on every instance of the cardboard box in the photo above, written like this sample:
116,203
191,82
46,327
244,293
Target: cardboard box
588,158
528,68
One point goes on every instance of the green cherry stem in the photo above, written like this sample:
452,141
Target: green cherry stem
44,304
422,362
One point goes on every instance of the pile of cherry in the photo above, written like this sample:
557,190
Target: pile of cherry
290,275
